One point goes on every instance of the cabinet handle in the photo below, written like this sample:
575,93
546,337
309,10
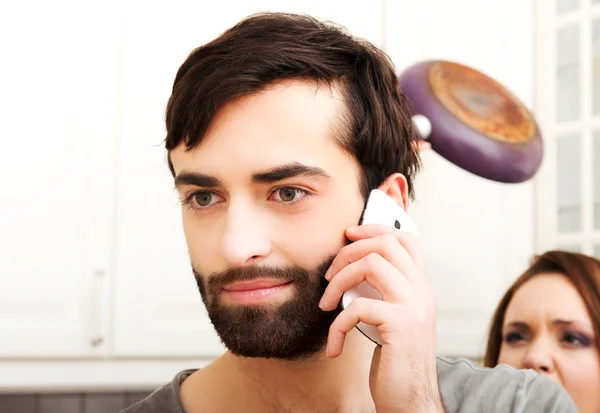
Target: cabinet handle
99,308
95,342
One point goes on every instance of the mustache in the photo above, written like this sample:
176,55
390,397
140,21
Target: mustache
218,280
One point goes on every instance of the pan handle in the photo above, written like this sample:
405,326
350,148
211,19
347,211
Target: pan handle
423,126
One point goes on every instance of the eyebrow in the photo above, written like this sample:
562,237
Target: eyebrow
517,324
556,322
291,170
196,179
268,176
560,322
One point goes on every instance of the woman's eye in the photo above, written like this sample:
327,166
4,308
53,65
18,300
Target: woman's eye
576,339
512,338
289,195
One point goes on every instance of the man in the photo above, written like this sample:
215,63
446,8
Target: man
276,133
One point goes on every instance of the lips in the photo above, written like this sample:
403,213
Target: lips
256,291
254,285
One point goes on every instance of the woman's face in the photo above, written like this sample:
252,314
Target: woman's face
547,328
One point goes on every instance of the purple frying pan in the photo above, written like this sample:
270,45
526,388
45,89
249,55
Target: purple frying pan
473,121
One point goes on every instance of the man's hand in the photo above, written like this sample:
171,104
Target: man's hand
403,370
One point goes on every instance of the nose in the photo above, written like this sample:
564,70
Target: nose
539,358
245,240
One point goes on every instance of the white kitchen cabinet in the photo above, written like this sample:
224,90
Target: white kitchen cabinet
477,234
57,100
158,310
568,92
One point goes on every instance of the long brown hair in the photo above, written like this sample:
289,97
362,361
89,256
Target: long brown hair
583,271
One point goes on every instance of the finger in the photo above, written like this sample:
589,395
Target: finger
376,271
358,232
411,244
386,245
372,312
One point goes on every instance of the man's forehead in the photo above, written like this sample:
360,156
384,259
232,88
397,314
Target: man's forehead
285,106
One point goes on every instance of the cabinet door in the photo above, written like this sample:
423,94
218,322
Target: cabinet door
568,92
158,308
58,108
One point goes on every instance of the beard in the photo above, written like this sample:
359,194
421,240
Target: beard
293,330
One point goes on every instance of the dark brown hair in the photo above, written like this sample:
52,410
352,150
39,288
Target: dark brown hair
583,271
269,47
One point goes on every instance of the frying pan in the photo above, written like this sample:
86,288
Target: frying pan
473,121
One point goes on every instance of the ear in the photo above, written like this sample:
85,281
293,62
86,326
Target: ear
396,187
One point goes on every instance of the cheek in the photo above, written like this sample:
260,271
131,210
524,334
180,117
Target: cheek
200,239
512,356
316,233
580,375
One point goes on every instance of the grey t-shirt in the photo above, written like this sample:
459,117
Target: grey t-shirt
465,388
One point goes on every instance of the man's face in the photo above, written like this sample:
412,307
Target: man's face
267,197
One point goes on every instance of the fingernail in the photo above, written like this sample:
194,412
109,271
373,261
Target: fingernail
321,303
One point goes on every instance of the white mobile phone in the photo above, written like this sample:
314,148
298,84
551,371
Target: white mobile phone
380,209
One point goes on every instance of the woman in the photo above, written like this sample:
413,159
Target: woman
549,321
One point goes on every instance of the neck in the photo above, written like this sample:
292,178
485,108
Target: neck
316,384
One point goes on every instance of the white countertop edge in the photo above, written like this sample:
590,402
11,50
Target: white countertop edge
90,375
